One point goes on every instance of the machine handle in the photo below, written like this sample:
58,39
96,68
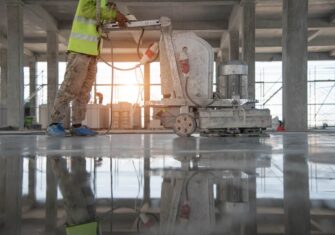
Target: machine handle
132,24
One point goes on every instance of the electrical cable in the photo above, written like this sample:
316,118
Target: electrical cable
122,69
140,87
194,102
138,54
117,68
138,44
189,179
139,185
138,47
112,193
112,92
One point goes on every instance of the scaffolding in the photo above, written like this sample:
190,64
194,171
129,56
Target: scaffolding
321,92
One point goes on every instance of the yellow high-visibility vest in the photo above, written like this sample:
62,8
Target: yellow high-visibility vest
84,37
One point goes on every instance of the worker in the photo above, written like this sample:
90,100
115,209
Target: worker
80,74
280,127
78,197
100,96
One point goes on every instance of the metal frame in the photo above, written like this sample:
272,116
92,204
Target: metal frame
214,115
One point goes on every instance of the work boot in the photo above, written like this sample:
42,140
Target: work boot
56,130
82,131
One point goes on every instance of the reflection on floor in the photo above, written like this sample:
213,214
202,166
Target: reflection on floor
161,184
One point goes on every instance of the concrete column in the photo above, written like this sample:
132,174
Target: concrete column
234,45
13,200
15,83
52,59
251,220
3,86
235,204
2,187
3,81
295,34
32,180
296,187
248,42
51,199
32,85
147,155
146,94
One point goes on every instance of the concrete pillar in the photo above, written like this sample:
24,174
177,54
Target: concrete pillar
296,187
15,82
51,199
146,95
32,85
295,34
52,59
147,155
2,187
235,203
3,81
13,200
32,180
234,45
251,220
3,86
248,42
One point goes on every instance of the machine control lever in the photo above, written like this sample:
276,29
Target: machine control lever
132,24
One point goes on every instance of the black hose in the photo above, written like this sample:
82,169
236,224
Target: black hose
194,102
120,69
138,44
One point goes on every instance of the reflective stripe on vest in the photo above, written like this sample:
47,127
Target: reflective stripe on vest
84,37
85,20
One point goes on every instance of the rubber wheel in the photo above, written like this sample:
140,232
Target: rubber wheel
185,125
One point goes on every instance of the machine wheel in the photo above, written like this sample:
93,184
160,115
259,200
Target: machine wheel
185,125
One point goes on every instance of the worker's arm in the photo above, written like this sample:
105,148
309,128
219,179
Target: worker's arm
89,11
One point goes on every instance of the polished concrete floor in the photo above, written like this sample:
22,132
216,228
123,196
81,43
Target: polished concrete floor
163,184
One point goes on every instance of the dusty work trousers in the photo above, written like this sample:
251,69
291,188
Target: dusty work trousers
78,197
78,81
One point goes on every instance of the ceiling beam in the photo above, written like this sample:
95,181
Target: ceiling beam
176,25
134,58
144,2
280,2
35,40
313,34
28,52
264,23
42,18
3,43
216,43
332,18
277,42
278,56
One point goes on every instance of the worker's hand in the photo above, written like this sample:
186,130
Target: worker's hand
121,19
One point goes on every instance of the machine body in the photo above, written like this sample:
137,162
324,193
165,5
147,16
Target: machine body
187,63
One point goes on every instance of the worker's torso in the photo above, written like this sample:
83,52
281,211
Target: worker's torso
84,37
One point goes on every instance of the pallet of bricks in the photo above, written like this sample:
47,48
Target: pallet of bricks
126,116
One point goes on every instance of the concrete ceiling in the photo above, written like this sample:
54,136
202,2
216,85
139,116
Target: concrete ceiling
208,19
